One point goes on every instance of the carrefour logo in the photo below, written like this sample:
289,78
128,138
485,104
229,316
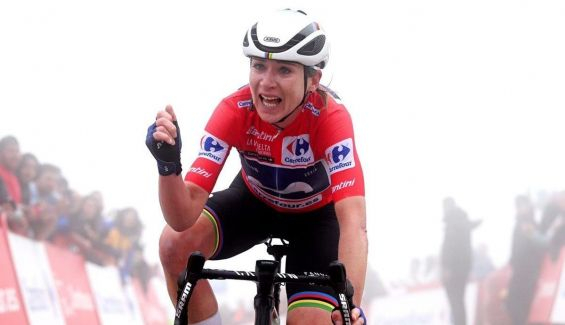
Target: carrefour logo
213,148
338,153
297,150
340,156
313,109
212,145
244,103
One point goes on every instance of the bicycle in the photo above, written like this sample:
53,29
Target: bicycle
268,277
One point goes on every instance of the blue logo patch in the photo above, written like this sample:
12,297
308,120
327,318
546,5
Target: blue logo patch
339,153
213,148
244,103
312,109
297,150
210,144
340,156
299,147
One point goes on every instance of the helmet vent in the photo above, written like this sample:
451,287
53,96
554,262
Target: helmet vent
314,46
245,41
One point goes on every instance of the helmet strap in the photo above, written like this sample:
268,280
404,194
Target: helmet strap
306,93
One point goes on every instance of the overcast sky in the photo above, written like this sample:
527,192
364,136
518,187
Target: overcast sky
447,98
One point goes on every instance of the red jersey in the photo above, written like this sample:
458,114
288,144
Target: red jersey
310,163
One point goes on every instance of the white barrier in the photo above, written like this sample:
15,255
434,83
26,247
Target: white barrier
422,307
114,306
36,281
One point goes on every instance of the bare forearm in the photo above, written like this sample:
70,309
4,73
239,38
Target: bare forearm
353,249
181,204
353,243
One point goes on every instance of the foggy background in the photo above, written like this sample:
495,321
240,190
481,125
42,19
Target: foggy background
447,98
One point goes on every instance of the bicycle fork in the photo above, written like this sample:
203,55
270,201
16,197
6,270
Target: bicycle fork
264,302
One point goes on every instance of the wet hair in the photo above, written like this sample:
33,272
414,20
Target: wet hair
310,71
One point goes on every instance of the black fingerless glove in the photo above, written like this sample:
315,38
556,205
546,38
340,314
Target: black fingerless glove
167,156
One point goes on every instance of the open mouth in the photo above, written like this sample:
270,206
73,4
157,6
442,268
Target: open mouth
270,101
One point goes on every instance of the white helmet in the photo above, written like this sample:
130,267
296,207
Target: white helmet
288,35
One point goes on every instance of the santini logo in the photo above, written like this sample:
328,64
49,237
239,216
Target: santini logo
200,171
343,185
271,39
340,156
297,151
212,148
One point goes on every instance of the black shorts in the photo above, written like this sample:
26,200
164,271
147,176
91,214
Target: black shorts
243,221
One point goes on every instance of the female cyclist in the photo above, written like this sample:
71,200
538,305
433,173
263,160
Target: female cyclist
300,178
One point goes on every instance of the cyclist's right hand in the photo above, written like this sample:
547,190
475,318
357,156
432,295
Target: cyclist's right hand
164,142
356,315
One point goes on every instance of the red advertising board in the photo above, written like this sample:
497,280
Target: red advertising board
546,290
12,310
73,288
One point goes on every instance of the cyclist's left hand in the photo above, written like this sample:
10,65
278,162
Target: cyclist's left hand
355,316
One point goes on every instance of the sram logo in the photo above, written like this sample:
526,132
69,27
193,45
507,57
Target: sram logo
297,151
340,156
213,148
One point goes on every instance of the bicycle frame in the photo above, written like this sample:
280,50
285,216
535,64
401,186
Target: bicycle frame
266,276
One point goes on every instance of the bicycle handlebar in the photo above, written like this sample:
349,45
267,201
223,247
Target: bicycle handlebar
335,278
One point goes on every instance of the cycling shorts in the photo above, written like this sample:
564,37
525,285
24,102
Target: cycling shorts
243,221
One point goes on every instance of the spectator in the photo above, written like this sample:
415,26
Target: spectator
552,224
525,260
123,236
83,231
456,258
39,204
137,267
4,195
14,216
9,157
27,171
44,203
69,204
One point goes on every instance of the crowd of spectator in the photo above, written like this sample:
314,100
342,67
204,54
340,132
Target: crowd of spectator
38,203
538,234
